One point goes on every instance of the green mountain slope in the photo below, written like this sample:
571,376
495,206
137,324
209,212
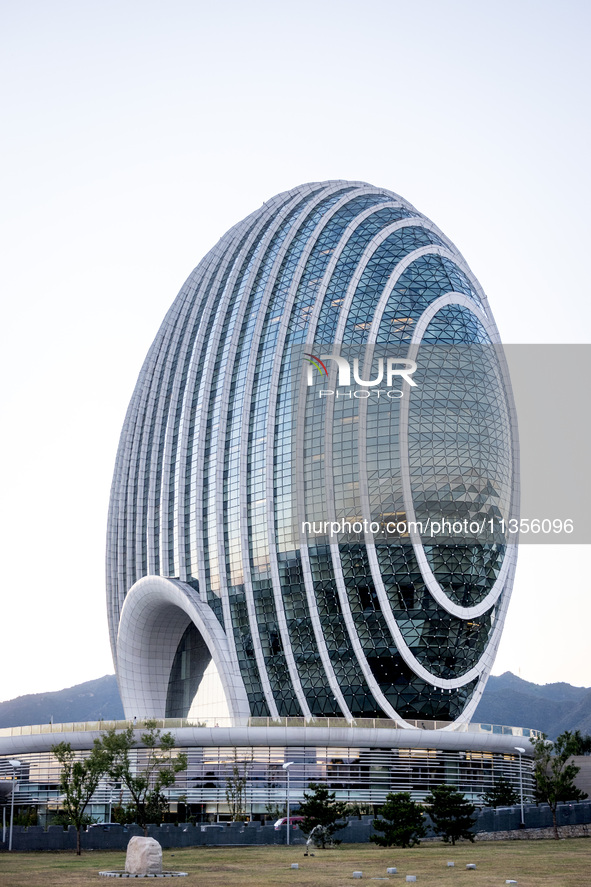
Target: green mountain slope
90,701
552,708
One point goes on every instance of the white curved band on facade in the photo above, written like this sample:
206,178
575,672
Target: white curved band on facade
430,580
306,572
269,461
299,454
219,306
330,502
329,482
220,505
243,492
288,738
488,656
185,424
277,366
432,584
434,588
403,648
409,658
270,445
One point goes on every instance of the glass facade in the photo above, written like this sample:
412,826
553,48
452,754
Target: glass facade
225,455
356,773
361,764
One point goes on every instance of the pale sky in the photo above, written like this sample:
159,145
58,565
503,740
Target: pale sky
136,133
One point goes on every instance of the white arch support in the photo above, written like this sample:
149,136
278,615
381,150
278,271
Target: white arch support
154,617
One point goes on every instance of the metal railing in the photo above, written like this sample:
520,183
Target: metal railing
332,723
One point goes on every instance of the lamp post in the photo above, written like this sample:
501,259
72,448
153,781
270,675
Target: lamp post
521,752
14,764
110,784
286,767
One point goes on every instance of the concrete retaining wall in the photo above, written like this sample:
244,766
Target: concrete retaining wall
536,834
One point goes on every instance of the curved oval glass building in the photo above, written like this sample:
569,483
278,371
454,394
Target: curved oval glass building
321,409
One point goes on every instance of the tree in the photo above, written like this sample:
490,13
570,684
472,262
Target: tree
581,745
236,791
502,794
356,809
26,816
401,822
156,807
554,774
79,780
146,780
275,811
322,809
123,814
451,813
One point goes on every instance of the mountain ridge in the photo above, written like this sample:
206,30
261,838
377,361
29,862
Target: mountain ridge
507,699
89,701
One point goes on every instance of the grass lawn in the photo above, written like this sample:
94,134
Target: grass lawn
530,863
